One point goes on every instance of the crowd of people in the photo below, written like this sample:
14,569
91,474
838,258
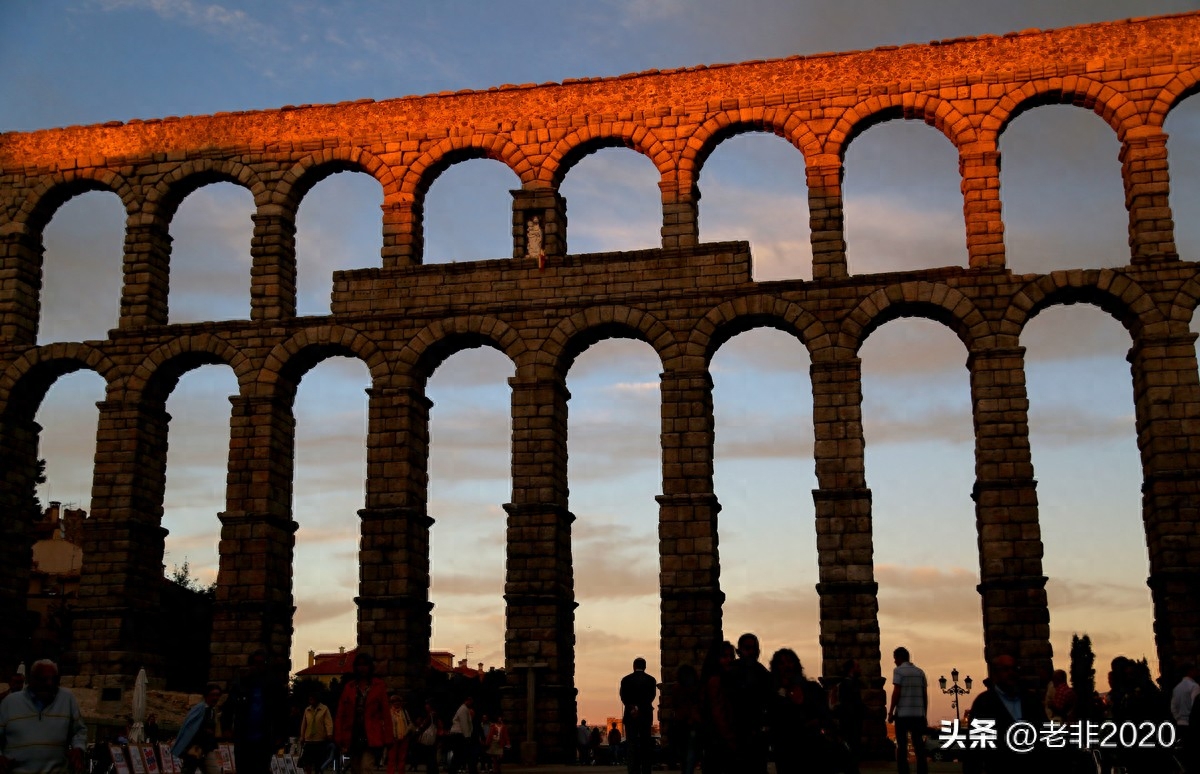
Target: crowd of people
737,713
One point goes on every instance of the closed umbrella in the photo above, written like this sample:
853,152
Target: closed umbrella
137,734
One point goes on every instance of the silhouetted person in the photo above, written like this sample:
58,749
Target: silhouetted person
1005,703
255,713
751,694
688,703
908,710
850,712
798,716
638,690
362,727
196,742
717,677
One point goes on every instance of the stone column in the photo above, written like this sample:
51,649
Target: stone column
847,588
115,629
1147,195
1167,401
20,285
18,461
147,275
394,622
539,589
273,269
1016,619
824,175
550,208
980,170
254,604
681,215
403,234
690,568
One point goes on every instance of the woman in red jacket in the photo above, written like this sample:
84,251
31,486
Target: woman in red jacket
363,727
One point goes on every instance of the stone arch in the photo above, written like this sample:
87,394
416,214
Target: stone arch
54,191
1180,88
931,300
164,199
938,113
289,360
436,342
730,318
436,159
729,123
1183,305
1105,101
1112,291
314,168
25,382
156,376
576,333
586,140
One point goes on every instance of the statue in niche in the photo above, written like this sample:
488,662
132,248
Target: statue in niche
533,241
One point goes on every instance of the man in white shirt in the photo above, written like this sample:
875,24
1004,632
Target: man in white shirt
908,710
1183,696
462,737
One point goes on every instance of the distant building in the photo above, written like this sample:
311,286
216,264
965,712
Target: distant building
326,667
54,577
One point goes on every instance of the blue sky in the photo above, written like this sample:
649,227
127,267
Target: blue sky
99,60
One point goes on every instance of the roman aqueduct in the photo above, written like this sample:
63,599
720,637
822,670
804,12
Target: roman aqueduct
684,298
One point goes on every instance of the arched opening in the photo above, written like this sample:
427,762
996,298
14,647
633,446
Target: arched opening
330,410
753,188
68,417
615,472
1089,474
763,478
902,200
1061,192
1183,155
470,441
210,255
82,269
613,202
920,468
338,227
468,212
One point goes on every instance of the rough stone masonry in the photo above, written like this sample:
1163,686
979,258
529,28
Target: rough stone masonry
684,298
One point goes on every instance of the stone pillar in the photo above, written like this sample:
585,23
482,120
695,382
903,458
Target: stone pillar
403,234
550,208
847,588
539,589
18,476
980,170
115,629
681,215
1167,401
1147,195
147,275
20,286
689,577
1016,619
254,603
273,264
824,174
394,622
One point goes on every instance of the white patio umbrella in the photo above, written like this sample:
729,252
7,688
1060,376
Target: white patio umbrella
137,734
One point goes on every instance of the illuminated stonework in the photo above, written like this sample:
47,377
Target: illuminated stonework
684,299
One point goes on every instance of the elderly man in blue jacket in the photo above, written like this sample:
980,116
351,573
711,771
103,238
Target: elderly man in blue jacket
41,727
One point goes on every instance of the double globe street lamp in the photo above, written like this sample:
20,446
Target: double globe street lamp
955,690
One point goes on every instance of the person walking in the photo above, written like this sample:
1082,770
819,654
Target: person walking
402,727
255,713
908,710
496,742
638,690
41,726
751,695
363,726
462,737
316,735
196,742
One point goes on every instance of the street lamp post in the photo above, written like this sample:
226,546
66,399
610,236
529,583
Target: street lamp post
955,690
